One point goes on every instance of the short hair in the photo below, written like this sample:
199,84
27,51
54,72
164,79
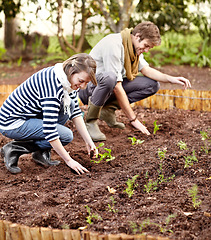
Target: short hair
148,30
81,62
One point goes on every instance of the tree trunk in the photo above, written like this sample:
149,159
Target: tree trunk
9,32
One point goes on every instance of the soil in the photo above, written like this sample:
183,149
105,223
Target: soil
55,197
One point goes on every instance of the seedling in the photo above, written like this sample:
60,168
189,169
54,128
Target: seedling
162,154
156,127
139,228
131,186
190,159
135,141
150,186
193,194
111,207
204,137
106,155
91,215
182,145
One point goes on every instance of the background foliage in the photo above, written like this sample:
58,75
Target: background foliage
184,25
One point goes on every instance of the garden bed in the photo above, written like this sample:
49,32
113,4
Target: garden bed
55,197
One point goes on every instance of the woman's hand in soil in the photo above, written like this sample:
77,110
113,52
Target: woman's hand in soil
76,166
92,150
137,124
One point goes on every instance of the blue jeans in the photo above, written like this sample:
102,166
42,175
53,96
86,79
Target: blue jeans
32,129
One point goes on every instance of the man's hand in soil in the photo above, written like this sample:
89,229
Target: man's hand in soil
137,124
77,167
180,80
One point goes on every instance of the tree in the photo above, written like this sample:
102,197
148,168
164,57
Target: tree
82,8
10,9
117,13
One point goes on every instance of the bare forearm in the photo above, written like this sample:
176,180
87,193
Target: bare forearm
154,74
124,103
58,147
81,128
161,77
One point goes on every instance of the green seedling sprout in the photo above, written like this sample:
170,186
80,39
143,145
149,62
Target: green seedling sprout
91,216
106,155
182,145
131,186
190,159
162,154
156,127
139,228
193,194
204,138
111,207
135,141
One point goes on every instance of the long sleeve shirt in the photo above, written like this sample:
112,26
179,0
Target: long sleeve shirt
40,96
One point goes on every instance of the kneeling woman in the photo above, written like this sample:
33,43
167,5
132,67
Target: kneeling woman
35,113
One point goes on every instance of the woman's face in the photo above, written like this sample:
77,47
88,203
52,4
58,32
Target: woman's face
79,80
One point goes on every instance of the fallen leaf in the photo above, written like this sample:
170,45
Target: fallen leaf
82,228
111,190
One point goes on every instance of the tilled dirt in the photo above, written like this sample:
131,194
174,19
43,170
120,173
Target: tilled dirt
57,198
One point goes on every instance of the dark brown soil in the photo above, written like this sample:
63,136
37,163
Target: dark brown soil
57,198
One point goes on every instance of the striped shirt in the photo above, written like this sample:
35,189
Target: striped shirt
40,95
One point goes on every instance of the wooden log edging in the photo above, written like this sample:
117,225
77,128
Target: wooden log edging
13,231
163,99
182,99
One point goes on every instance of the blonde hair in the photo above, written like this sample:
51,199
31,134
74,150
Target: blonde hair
148,30
81,62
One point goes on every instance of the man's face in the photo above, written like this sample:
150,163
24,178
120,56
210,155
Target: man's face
79,80
141,46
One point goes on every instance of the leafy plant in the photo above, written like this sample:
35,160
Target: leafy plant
111,207
107,155
204,138
135,141
131,186
156,127
182,145
91,215
193,194
190,159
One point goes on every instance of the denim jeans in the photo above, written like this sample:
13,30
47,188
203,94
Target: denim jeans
32,129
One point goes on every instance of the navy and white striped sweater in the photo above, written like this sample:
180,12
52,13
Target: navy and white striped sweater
40,95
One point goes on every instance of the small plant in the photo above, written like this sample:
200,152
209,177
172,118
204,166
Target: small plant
190,159
156,127
182,145
111,207
193,194
139,228
106,155
131,186
135,141
204,138
162,154
91,215
151,186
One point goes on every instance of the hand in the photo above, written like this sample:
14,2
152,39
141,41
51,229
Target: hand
76,166
92,150
182,81
137,124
